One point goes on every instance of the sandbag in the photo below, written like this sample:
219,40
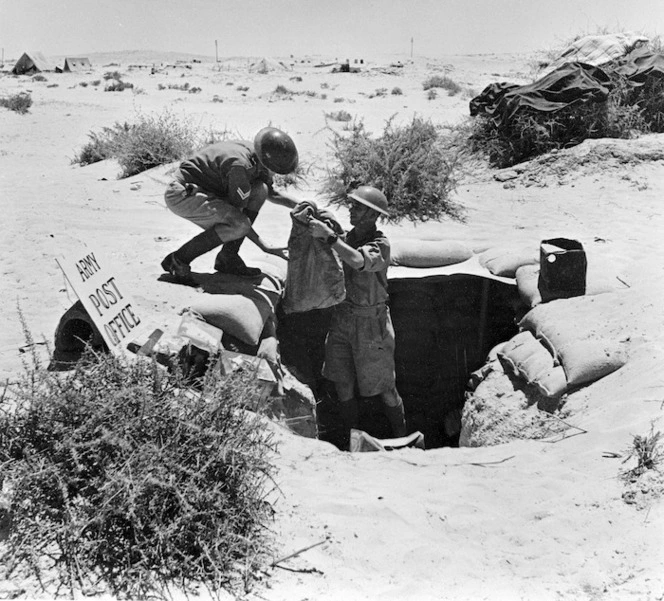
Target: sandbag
428,253
526,357
315,276
590,360
597,282
553,383
504,262
240,307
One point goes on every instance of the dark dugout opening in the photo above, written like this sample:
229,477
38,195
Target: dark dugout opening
445,327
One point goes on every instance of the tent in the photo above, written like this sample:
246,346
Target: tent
265,65
75,64
32,62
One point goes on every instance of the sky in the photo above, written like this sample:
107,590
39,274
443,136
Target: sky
348,28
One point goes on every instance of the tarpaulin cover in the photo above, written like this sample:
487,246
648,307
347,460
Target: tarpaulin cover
599,49
573,83
570,84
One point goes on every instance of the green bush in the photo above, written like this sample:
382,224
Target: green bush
444,82
19,103
151,141
121,480
415,165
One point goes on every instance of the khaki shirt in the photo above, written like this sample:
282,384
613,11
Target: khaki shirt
367,286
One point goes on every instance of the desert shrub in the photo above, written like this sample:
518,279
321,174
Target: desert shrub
648,452
95,82
294,179
432,94
118,86
379,92
217,98
101,145
120,479
83,84
154,140
283,91
396,91
339,100
444,82
53,85
151,141
39,77
296,78
112,75
195,90
413,164
242,88
339,116
19,103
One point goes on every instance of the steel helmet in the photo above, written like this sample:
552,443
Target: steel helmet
371,197
276,150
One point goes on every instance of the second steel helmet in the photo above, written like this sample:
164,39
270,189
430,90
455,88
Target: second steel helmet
276,150
371,197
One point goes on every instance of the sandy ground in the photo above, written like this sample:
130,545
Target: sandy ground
523,520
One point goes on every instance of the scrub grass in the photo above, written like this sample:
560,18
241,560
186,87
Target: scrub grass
415,165
120,480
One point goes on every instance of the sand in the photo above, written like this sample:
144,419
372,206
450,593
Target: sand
523,520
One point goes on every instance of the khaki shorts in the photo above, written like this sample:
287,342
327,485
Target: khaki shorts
207,210
360,347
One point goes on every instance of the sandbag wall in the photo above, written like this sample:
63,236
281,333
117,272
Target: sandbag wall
445,327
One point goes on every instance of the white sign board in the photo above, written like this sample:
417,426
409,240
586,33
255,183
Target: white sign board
105,298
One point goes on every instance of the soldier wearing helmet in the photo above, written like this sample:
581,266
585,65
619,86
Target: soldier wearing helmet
359,349
221,189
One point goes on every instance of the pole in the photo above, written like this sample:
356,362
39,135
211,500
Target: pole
411,47
216,50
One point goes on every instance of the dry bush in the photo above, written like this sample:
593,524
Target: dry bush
648,452
396,91
118,86
19,103
151,141
39,77
113,75
120,481
444,82
339,116
415,165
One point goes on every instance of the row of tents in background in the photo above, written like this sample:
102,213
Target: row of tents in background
35,62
